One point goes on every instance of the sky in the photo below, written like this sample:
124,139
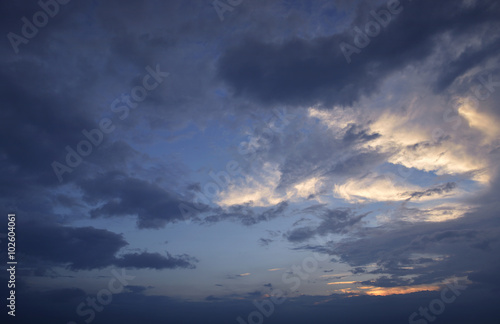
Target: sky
237,161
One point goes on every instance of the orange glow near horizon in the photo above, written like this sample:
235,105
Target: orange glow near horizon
382,291
341,283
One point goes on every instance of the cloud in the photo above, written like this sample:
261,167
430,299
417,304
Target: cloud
443,158
447,236
155,261
81,248
304,162
431,213
258,191
480,120
309,71
439,190
86,248
32,113
487,277
426,252
121,195
334,221
301,234
137,289
319,309
245,214
371,188
374,187
265,242
376,291
241,275
408,101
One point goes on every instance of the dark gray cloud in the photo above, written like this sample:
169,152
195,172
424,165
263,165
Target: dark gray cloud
439,190
447,237
42,124
301,234
333,221
431,252
385,281
318,309
86,248
311,71
265,241
155,261
137,289
245,214
487,277
122,195
231,72
79,248
355,134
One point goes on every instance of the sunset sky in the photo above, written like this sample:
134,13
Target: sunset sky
237,161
